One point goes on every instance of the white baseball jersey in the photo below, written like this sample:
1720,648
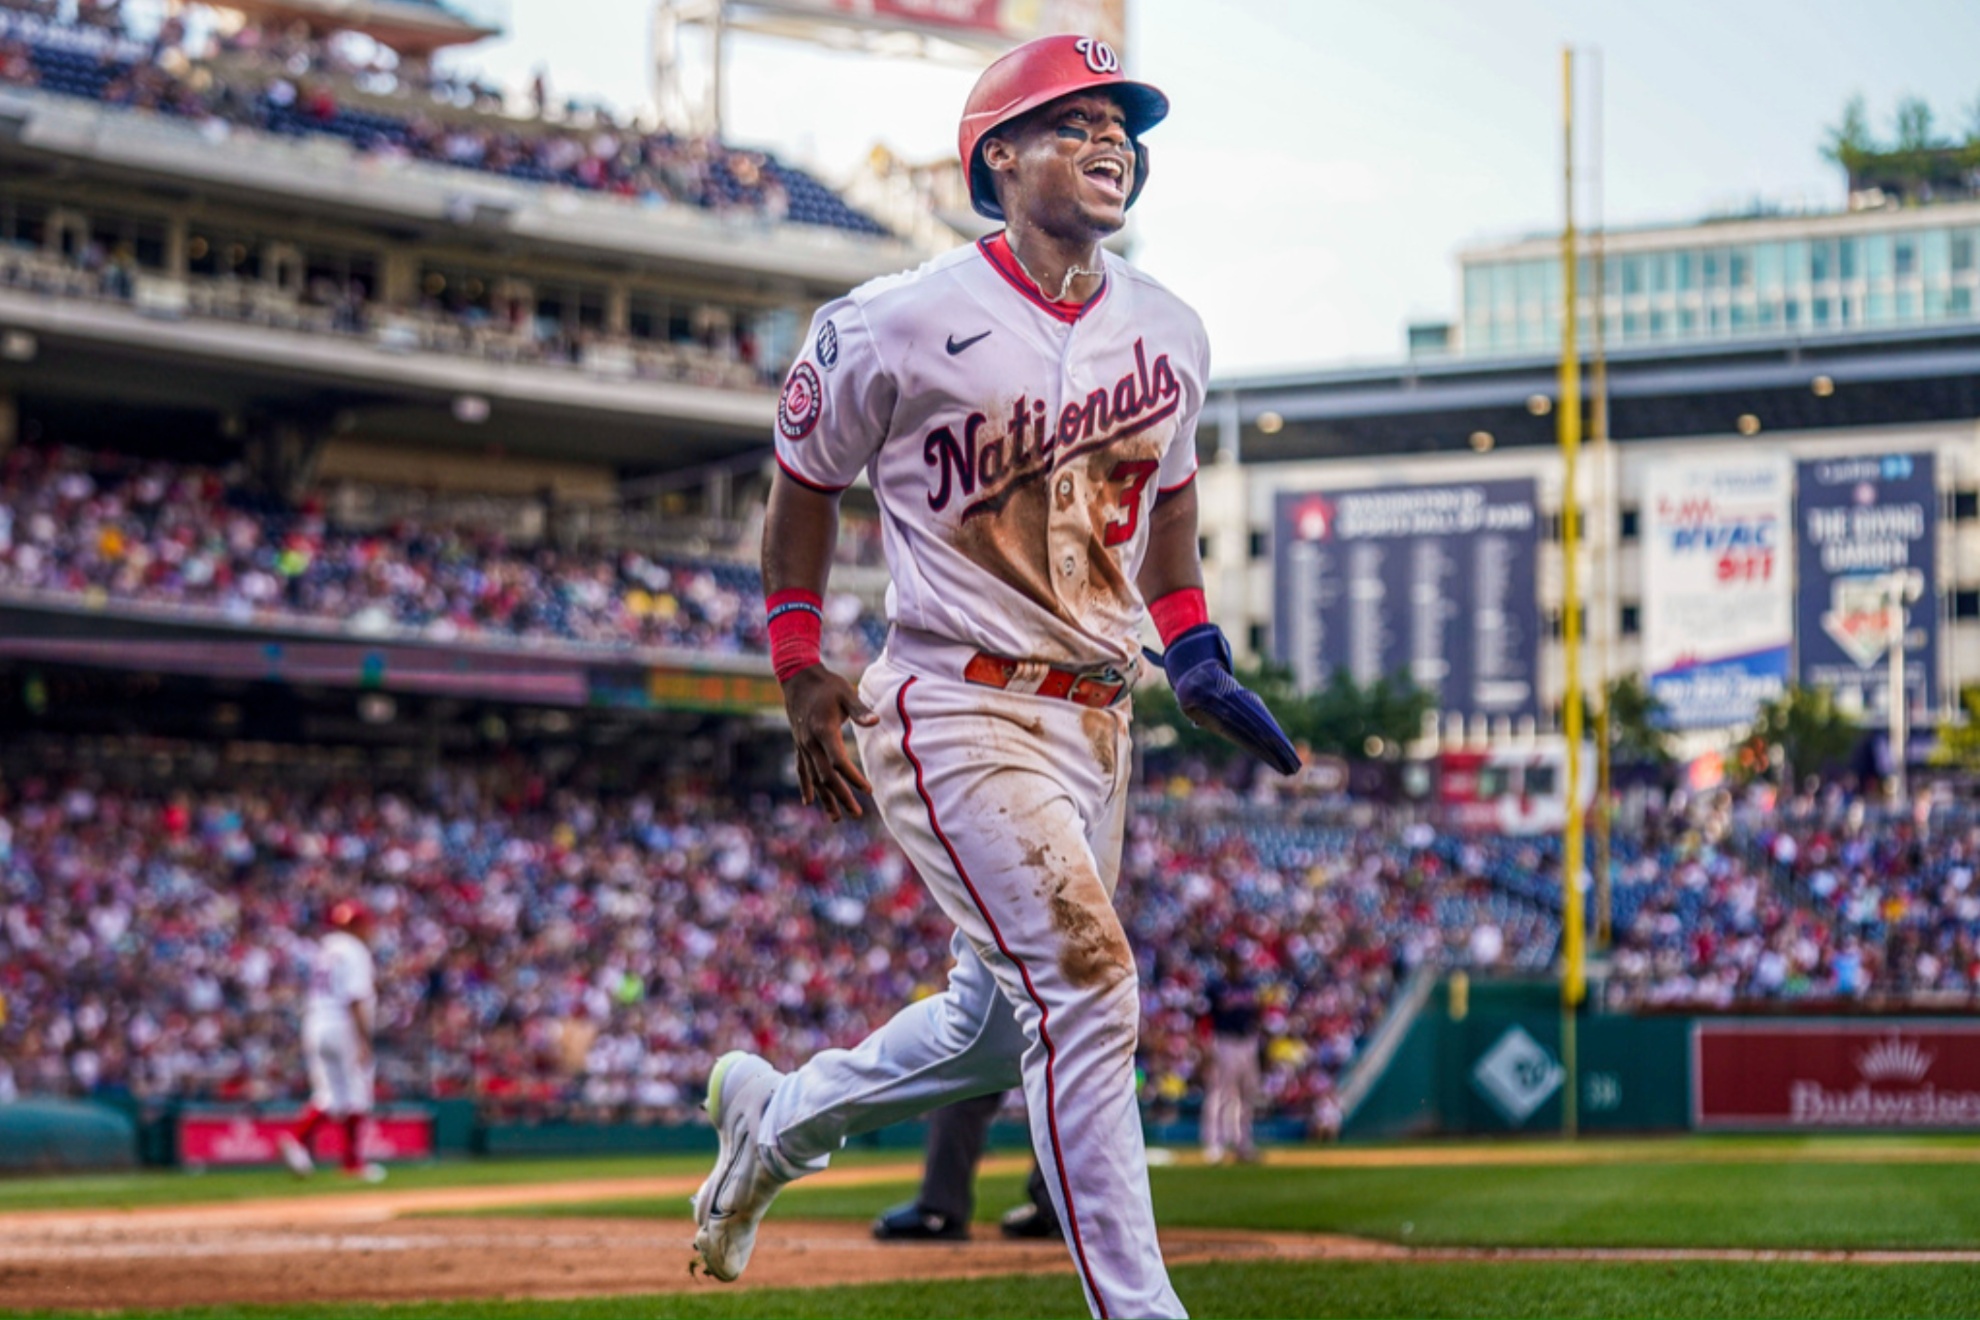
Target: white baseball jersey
341,1077
1015,445
340,975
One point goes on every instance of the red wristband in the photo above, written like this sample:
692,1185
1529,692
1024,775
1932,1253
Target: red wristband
1178,612
797,622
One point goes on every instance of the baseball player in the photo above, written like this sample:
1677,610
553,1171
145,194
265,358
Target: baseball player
1230,1094
338,1018
1025,409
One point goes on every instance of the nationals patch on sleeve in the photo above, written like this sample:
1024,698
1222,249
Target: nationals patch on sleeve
800,403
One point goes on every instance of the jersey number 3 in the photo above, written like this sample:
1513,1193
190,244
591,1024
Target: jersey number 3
1134,477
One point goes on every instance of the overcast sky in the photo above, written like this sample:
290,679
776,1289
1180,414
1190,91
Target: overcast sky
1325,158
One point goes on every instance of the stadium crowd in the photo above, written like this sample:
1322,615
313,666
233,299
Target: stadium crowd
106,528
279,80
1822,901
549,950
554,950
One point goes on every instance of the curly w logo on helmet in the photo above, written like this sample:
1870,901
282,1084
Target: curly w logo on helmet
1099,55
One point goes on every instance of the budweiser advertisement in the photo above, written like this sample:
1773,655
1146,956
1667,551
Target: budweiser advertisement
1835,1075
216,1137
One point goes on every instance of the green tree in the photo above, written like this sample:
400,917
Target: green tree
1636,723
1802,732
1361,721
1345,718
1914,125
1959,743
1850,143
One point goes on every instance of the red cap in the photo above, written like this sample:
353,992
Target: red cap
346,914
1045,70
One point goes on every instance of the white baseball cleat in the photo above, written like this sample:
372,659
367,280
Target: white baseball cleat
731,1203
371,1173
295,1155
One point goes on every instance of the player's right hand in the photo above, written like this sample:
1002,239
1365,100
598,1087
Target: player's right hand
819,702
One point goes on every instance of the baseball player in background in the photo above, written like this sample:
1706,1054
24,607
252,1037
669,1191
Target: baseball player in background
1025,409
338,1019
1232,1077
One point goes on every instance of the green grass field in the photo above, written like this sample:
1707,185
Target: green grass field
1666,1203
1749,1194
1346,1289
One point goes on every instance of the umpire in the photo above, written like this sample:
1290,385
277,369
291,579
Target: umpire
941,1213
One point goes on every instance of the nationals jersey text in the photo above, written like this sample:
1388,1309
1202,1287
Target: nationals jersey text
1015,445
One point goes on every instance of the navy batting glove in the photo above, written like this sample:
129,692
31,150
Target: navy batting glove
1199,667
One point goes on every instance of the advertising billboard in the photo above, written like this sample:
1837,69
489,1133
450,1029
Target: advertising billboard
1436,583
1718,614
221,1137
1856,1075
1861,520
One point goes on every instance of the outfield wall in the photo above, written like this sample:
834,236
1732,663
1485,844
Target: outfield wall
1485,1059
1480,1059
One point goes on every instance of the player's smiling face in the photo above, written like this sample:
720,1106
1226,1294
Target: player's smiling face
1068,166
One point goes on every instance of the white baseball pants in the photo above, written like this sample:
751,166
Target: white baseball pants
1231,1098
339,1083
1011,809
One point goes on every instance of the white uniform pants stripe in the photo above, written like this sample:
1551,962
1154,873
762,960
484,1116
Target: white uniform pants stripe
1010,809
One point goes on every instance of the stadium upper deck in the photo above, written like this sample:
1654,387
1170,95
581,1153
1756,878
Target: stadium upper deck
360,287
256,233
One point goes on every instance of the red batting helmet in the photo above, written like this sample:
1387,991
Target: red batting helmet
1045,70
347,914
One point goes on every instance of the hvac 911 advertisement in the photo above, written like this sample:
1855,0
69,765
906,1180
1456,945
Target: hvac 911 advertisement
1718,607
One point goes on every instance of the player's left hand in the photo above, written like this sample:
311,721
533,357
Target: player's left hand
1199,667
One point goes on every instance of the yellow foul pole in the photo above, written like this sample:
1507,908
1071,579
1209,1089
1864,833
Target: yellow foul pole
1569,430
1605,564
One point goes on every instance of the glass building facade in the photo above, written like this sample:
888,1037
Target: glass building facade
1771,277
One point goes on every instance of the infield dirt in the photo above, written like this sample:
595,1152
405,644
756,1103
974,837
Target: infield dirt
373,1246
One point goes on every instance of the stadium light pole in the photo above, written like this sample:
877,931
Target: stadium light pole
1568,428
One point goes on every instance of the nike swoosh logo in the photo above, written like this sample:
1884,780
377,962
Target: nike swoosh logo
958,345
715,1208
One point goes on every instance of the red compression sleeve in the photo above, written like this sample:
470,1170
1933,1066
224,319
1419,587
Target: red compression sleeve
797,622
1178,612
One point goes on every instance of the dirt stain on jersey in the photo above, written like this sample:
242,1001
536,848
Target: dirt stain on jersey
1013,542
1009,536
1102,732
1095,950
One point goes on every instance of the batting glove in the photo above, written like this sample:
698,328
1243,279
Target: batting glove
1199,667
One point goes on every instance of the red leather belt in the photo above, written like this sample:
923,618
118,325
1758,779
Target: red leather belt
1081,687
